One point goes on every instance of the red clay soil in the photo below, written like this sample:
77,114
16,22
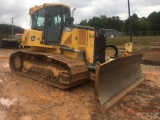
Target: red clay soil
25,99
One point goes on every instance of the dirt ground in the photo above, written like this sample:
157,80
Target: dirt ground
26,99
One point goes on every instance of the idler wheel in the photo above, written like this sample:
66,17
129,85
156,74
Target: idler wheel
16,62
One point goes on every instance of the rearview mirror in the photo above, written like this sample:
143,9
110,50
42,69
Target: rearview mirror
69,20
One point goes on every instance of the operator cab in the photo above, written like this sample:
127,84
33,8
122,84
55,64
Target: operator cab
50,19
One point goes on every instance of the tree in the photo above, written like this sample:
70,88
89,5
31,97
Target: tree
154,21
95,22
135,24
6,29
115,23
104,22
84,22
139,26
144,26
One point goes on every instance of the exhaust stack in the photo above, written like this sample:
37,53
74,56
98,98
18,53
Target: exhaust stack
73,12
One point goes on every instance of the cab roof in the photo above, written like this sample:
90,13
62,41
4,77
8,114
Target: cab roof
33,9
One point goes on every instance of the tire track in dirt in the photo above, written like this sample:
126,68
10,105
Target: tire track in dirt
34,100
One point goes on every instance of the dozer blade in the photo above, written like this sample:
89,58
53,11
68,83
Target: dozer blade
114,79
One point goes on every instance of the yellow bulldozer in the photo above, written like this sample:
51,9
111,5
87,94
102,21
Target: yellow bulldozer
65,55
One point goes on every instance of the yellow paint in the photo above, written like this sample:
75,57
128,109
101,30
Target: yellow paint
76,38
87,46
28,34
33,9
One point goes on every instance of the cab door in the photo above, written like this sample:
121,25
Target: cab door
54,27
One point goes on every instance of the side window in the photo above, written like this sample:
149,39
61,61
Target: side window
38,19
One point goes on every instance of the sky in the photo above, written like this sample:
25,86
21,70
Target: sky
85,9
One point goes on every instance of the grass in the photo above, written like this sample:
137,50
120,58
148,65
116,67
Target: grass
144,41
153,54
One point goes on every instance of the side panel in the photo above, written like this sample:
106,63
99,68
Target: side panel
70,38
80,39
90,47
32,38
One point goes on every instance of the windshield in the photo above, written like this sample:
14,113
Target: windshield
38,19
50,20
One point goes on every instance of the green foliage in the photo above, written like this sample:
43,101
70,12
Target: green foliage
83,22
6,29
104,22
115,23
140,26
119,41
154,21
135,23
95,22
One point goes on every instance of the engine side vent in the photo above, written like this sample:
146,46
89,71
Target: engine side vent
100,41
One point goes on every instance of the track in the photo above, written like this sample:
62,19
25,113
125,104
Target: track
52,69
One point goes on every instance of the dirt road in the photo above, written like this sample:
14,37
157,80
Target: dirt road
26,99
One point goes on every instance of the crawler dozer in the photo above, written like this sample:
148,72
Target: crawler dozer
65,55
